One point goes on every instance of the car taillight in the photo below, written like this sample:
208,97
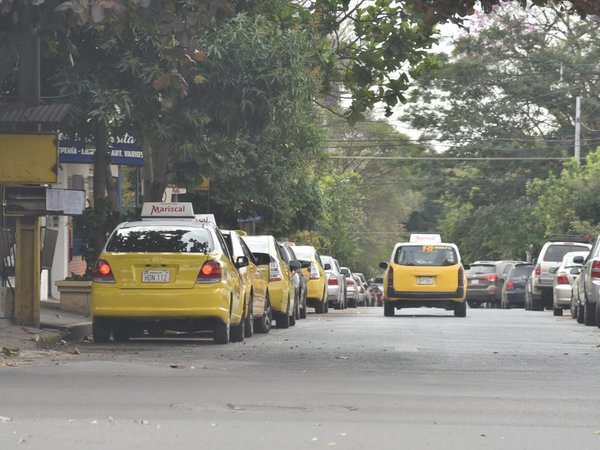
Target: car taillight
332,281
210,272
390,278
561,278
595,269
509,286
102,272
274,271
538,270
492,278
314,272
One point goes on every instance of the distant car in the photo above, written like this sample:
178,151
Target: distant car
485,280
376,285
363,282
540,285
351,287
564,277
588,285
281,278
315,275
300,281
336,282
363,297
424,274
513,290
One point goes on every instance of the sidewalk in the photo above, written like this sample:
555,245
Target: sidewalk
55,325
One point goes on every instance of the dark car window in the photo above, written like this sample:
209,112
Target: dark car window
161,239
425,255
555,253
521,271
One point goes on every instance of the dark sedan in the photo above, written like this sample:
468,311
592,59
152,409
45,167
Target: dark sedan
513,291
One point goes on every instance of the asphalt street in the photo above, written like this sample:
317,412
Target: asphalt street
350,379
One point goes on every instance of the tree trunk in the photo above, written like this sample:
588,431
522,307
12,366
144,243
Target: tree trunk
156,169
102,203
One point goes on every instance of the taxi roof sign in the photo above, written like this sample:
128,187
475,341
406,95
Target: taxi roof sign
429,238
155,210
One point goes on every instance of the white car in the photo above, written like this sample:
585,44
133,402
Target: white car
565,275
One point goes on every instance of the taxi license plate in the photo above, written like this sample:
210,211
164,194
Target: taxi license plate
424,280
474,281
156,276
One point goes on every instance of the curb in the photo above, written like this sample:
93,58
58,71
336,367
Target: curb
54,333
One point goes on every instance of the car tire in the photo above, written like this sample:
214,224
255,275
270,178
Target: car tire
389,308
101,330
283,319
294,315
303,312
580,317
573,310
589,315
473,304
460,309
249,325
557,311
237,332
263,324
326,306
221,333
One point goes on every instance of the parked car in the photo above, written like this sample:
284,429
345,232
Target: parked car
281,282
362,298
351,287
421,274
513,290
540,285
167,274
369,301
588,285
565,275
576,303
255,278
300,281
485,280
315,274
376,286
336,282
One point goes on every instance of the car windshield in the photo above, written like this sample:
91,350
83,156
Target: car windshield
161,239
425,255
555,253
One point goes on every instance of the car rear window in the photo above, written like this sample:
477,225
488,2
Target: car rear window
161,239
425,255
477,269
555,253
522,271
305,253
257,245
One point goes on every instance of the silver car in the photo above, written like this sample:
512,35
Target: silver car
565,275
589,285
336,282
351,287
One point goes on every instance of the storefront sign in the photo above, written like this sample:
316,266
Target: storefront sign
125,151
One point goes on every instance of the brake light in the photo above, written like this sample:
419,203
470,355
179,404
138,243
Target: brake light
595,269
314,272
492,278
390,278
351,282
102,273
332,281
561,278
274,271
210,272
509,286
538,270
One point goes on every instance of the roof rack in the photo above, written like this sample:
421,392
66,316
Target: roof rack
570,238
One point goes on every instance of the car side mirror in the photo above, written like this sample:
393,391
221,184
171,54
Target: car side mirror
327,266
467,266
262,259
578,260
295,265
305,264
241,261
383,265
534,261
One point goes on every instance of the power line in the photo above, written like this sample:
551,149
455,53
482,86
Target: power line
459,158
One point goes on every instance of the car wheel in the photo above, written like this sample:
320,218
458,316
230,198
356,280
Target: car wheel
580,317
283,319
263,324
326,306
121,332
473,304
557,311
237,332
221,333
303,309
101,330
589,314
249,326
388,308
294,315
460,309
573,309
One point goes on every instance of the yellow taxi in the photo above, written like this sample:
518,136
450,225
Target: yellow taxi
424,272
316,292
167,272
281,289
255,278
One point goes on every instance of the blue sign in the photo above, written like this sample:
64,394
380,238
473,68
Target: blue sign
125,151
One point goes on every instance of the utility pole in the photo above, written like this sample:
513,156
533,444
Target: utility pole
577,152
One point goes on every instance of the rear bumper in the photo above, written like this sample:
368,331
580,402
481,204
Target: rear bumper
455,296
562,295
